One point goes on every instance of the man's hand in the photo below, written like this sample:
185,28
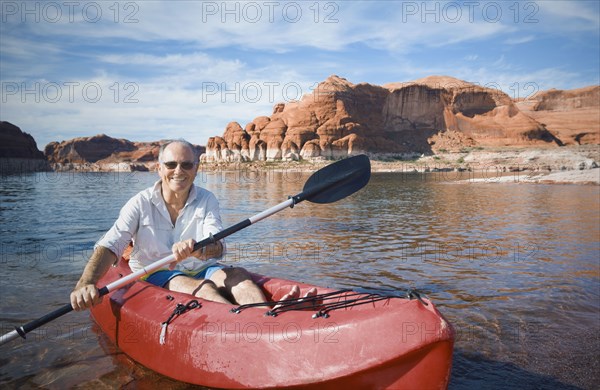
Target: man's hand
85,297
184,249
85,294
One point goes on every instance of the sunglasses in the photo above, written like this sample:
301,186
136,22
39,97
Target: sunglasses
186,165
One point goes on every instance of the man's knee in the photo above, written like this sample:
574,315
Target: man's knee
239,273
207,289
188,285
206,286
235,276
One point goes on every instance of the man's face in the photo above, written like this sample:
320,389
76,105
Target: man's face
177,177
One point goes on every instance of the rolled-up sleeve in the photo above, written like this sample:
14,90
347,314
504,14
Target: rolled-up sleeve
125,227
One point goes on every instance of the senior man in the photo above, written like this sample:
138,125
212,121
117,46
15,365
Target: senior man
170,217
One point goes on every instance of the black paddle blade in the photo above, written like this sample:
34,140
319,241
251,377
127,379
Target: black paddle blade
338,180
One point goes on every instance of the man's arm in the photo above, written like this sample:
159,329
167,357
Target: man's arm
85,294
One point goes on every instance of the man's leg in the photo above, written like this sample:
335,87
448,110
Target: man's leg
238,283
203,288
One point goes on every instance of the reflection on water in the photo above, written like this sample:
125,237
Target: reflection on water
513,267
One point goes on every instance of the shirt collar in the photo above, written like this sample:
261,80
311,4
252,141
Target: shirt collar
157,198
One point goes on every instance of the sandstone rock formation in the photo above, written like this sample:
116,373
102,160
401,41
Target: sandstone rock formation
573,116
19,152
87,149
341,119
104,153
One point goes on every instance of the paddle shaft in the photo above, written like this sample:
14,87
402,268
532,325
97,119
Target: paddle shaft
359,170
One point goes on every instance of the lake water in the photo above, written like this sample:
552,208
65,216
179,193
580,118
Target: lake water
514,267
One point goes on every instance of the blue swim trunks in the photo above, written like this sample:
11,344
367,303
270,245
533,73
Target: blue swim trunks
161,277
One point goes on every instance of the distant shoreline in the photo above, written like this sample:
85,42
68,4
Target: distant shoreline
565,165
568,164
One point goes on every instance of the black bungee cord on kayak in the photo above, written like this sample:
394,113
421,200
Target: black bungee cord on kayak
179,309
291,304
369,298
345,298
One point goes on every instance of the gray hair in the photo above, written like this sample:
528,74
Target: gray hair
166,143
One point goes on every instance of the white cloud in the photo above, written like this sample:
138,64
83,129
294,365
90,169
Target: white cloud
572,14
519,40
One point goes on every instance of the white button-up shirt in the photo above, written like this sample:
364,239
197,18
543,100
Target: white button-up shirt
145,221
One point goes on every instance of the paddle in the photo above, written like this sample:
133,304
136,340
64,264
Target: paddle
327,185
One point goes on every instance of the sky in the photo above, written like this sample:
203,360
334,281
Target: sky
151,70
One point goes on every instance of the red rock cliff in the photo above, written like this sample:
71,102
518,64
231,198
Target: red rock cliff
105,151
341,118
15,143
18,151
573,116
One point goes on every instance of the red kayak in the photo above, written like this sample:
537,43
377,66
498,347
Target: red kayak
356,339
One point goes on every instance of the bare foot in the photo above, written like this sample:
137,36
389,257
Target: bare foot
295,294
310,293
